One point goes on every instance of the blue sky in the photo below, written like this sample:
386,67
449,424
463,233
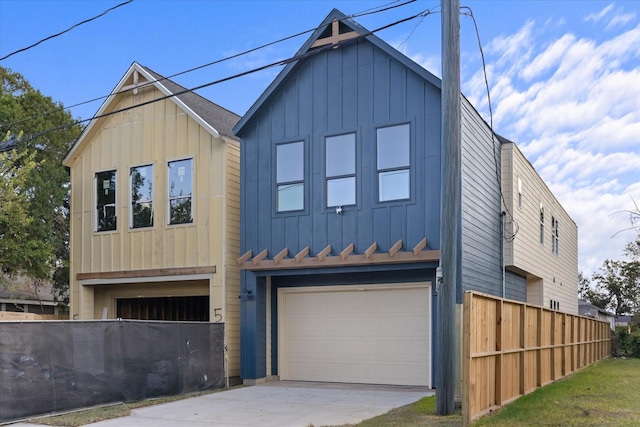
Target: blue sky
564,75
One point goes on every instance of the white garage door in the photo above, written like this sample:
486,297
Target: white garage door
356,334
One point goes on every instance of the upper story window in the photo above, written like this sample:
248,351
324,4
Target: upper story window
181,191
290,176
541,223
555,242
141,178
340,169
519,193
106,200
393,154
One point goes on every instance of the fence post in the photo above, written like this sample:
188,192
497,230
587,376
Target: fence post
466,358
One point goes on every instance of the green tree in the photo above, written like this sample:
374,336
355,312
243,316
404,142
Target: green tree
618,283
17,252
27,112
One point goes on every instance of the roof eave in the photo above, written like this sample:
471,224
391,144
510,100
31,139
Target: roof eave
117,90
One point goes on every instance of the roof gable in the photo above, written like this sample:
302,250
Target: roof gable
334,30
217,120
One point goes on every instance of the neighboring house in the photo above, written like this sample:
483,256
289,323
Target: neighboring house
589,310
623,321
340,215
21,295
542,257
155,208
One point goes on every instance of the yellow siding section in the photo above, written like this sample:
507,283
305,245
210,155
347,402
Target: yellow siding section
156,134
558,274
232,241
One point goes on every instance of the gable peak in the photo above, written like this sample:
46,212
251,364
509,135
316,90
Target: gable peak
335,33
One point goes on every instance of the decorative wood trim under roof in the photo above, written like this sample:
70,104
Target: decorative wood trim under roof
346,257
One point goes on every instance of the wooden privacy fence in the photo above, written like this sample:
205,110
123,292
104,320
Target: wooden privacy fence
510,348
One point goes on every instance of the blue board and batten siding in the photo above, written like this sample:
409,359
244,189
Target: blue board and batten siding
357,88
353,89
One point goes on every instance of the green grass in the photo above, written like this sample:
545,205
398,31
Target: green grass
603,394
421,413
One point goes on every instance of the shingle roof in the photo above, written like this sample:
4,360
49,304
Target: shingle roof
218,117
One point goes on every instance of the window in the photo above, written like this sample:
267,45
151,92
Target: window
554,305
180,191
290,176
541,223
340,169
555,243
141,196
519,193
393,163
106,200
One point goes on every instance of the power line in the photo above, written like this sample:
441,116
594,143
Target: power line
66,31
235,76
370,11
511,235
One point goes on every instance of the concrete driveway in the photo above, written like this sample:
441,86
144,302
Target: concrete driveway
277,404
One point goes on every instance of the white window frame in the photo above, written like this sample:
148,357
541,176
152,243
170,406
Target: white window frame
380,172
334,178
114,204
520,193
541,222
131,203
285,183
555,239
170,198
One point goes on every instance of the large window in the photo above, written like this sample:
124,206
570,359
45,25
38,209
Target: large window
340,169
290,176
180,191
393,163
141,196
555,242
106,200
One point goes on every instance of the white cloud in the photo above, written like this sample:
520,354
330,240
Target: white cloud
618,19
597,17
431,63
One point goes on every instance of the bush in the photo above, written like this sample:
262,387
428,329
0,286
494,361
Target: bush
633,344
624,343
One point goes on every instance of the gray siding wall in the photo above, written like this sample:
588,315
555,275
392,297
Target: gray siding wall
481,206
352,89
515,286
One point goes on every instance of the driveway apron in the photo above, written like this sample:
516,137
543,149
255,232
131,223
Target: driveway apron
276,404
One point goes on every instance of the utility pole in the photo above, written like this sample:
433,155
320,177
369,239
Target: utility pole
450,206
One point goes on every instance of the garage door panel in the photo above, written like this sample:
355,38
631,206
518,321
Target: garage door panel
377,336
306,326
